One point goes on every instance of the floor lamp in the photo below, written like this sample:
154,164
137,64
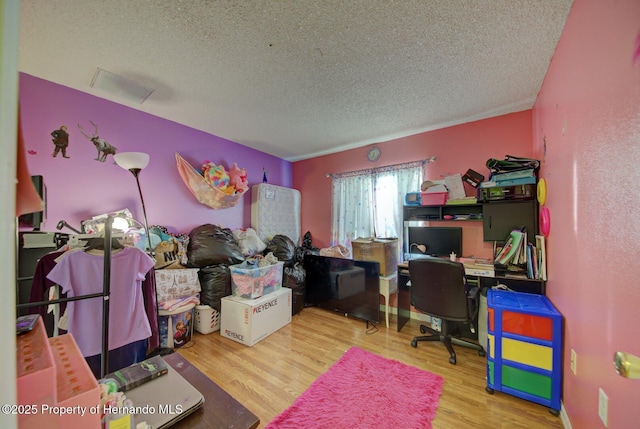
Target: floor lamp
135,162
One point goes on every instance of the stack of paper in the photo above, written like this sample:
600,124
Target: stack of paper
454,186
479,270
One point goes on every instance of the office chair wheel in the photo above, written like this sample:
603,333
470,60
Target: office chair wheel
452,360
489,390
481,353
423,329
414,343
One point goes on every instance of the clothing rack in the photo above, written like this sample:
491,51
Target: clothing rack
106,292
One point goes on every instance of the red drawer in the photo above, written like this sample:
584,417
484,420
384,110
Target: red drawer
527,325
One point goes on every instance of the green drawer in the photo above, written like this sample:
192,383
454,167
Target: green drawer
525,381
490,372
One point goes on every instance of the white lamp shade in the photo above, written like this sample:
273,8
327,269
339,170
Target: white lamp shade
131,160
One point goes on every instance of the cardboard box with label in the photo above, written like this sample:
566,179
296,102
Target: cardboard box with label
383,251
248,321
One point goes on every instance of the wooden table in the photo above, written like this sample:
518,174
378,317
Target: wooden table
220,410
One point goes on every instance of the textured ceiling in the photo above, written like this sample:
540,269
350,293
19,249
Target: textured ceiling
298,79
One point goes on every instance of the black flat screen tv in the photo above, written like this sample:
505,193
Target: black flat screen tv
440,241
343,285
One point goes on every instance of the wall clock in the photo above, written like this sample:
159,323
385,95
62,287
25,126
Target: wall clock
374,154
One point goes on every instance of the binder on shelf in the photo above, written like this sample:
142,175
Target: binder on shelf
530,272
542,257
512,249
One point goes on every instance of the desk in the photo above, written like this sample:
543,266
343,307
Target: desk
515,283
220,410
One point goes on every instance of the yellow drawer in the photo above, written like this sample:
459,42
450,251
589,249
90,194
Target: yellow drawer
527,353
492,342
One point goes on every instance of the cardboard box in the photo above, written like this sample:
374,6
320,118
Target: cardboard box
249,321
383,251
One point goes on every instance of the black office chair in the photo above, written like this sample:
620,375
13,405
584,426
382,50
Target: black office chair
438,288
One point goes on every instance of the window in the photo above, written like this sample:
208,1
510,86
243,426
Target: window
368,203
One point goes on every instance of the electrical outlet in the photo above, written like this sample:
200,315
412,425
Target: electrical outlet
603,406
574,361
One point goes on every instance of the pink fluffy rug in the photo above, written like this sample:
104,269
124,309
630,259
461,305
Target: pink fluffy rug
364,390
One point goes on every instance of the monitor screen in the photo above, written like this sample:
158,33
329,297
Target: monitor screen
439,241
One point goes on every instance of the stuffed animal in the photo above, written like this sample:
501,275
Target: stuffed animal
238,178
216,175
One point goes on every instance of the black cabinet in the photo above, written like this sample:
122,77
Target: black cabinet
499,218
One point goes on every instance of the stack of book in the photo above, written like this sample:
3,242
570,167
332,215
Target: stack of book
512,178
478,267
462,201
520,256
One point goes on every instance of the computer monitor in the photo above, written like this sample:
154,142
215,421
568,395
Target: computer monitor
439,241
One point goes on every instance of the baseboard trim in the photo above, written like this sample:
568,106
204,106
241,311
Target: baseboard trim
564,417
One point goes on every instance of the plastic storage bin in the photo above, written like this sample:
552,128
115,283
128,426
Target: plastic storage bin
249,281
524,347
176,326
433,198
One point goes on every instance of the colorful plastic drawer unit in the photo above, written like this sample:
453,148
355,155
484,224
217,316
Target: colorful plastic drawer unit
524,347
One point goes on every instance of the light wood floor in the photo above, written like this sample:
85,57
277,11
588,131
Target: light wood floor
267,377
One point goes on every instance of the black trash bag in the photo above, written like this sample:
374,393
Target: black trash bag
215,282
282,247
306,242
294,278
212,245
306,248
301,251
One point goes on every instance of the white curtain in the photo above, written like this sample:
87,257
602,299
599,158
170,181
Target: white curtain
368,203
352,208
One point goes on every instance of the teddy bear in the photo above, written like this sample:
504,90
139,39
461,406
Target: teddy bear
238,178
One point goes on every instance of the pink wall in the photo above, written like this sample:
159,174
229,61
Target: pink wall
456,148
80,187
588,113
